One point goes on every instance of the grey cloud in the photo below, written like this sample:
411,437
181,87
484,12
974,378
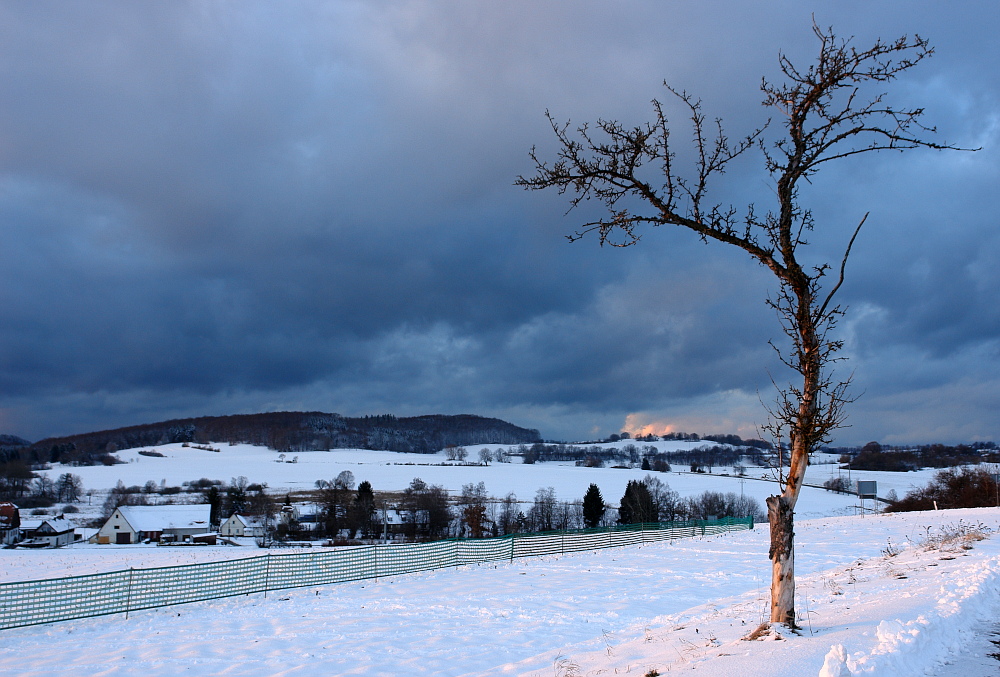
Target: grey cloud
242,206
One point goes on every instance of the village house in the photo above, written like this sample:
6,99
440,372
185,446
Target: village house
50,532
242,525
155,523
10,524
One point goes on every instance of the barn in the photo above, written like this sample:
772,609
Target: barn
155,523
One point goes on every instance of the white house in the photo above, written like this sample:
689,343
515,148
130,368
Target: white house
137,523
241,525
51,532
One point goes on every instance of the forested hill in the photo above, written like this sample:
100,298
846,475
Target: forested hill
293,431
12,443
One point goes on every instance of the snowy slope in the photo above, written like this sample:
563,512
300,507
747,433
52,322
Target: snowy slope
391,471
669,607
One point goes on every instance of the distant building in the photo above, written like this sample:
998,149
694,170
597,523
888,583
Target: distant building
155,523
242,525
51,532
288,514
10,524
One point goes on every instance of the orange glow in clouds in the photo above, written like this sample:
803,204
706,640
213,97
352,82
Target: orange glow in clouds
641,424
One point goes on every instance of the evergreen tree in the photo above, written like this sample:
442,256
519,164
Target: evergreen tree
636,505
593,506
214,500
362,512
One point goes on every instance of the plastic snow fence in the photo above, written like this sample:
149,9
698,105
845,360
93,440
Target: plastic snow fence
60,599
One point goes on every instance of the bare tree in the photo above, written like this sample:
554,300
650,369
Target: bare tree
543,512
472,509
69,487
335,497
827,112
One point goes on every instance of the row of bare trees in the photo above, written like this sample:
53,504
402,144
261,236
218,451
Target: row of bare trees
428,512
32,490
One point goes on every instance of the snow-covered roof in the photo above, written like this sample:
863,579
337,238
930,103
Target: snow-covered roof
58,525
250,521
162,517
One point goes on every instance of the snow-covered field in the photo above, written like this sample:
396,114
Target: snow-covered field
391,471
669,607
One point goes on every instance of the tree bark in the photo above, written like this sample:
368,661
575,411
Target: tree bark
782,554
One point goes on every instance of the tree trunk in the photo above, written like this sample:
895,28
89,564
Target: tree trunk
782,554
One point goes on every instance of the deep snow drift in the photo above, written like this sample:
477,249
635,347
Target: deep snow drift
671,607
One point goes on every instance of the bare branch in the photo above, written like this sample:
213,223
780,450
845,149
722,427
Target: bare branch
843,268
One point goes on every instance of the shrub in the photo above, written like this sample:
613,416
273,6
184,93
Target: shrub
954,537
952,488
838,484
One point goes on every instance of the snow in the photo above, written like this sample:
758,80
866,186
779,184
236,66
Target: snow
393,471
671,607
685,605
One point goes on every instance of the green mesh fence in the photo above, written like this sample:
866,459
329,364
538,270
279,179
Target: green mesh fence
59,599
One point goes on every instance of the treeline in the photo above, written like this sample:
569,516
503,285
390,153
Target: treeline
646,455
11,444
30,490
874,456
427,512
734,440
285,432
952,488
652,500
343,511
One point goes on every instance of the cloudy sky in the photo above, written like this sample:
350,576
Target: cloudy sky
226,207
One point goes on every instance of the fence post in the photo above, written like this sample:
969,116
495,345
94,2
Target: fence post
128,595
267,574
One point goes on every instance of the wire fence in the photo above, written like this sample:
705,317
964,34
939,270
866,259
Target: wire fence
59,599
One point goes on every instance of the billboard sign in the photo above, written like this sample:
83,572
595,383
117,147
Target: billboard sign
867,489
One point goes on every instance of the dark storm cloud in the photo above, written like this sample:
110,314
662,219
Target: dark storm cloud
212,208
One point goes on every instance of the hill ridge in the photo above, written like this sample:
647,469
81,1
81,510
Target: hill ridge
294,431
